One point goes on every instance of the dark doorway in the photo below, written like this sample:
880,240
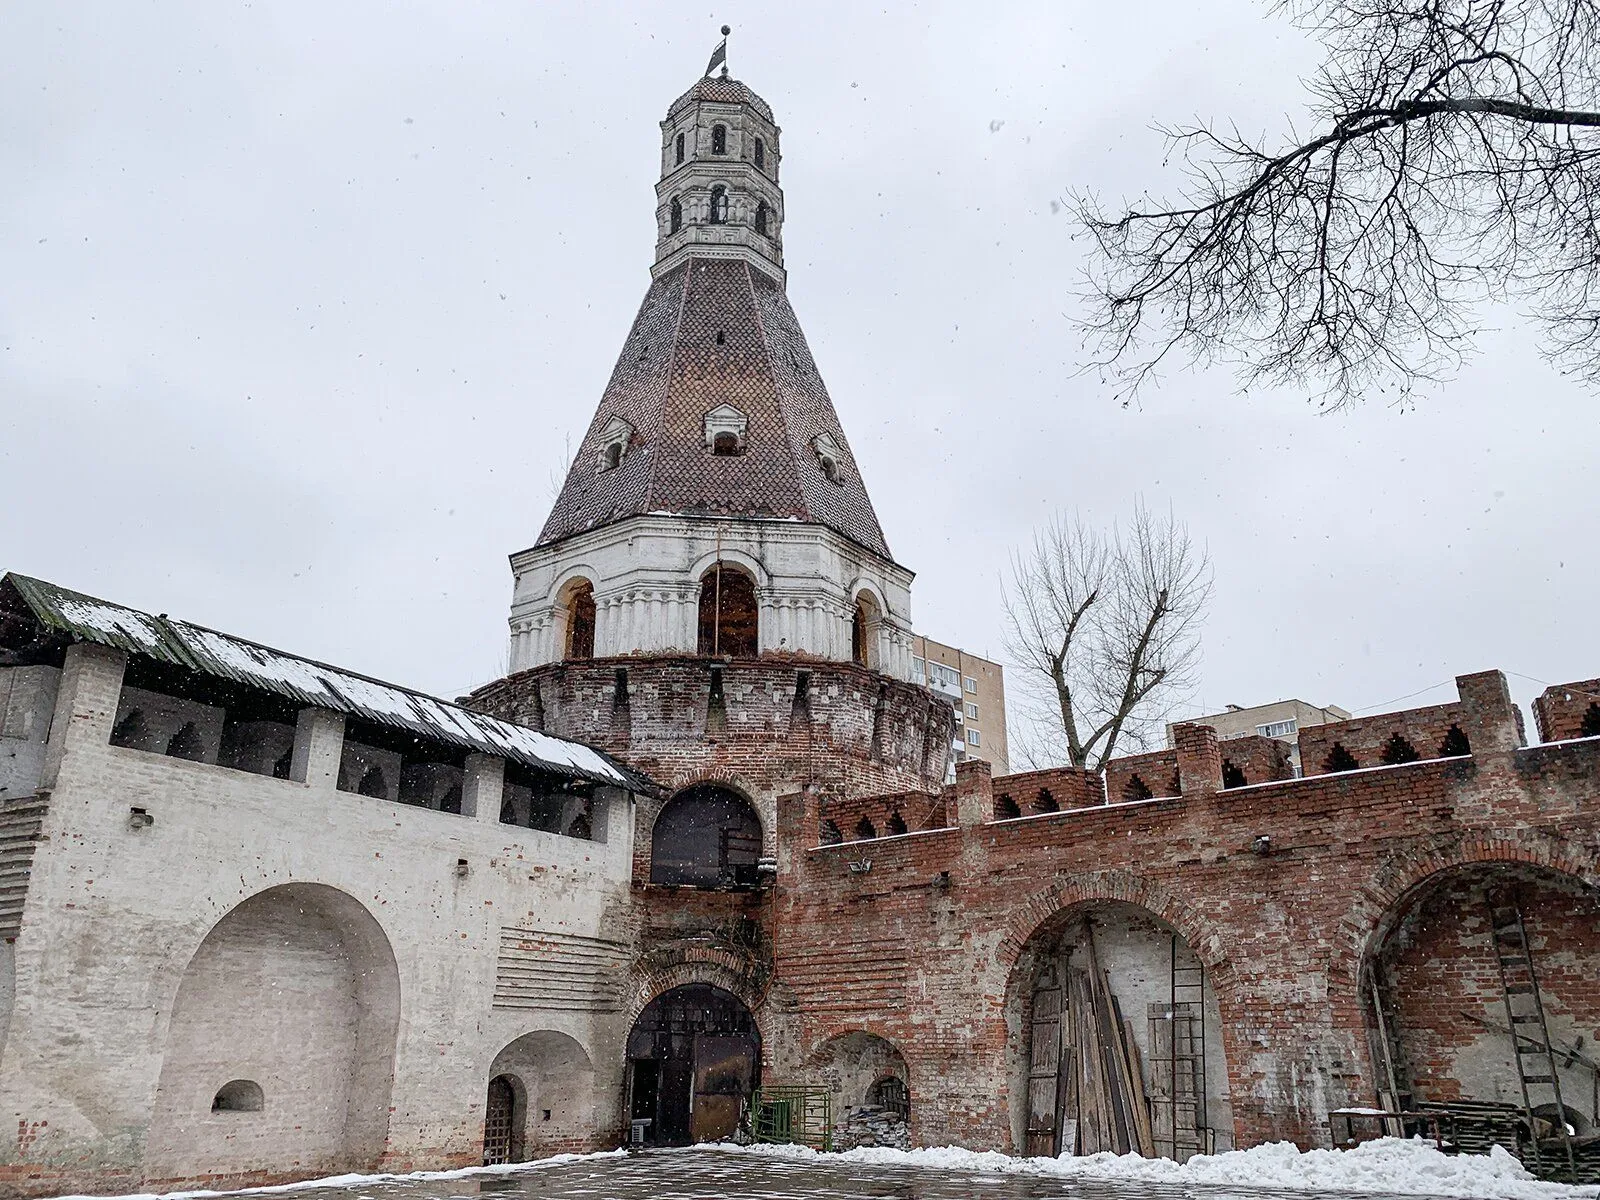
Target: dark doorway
497,1121
706,836
693,1057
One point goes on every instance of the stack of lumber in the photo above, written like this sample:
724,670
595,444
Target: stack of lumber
1105,1106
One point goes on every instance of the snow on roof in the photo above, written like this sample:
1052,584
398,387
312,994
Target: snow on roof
227,657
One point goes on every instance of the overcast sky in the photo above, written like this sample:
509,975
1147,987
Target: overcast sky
301,305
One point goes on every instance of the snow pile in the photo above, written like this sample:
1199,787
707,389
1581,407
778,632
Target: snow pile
1392,1165
351,1181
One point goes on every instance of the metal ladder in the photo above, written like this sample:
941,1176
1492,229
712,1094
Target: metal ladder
1530,1035
1187,1054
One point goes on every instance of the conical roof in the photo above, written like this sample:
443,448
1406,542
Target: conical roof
715,333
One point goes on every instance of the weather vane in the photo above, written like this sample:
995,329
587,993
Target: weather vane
720,54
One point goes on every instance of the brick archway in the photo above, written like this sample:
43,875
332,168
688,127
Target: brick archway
718,968
1380,901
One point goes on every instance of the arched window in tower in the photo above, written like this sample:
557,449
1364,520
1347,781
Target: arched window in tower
761,218
729,614
864,631
678,149
577,612
719,205
725,444
719,139
761,155
675,215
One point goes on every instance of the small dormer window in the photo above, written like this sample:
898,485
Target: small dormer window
761,155
719,139
830,457
675,216
725,429
719,205
678,148
614,439
761,218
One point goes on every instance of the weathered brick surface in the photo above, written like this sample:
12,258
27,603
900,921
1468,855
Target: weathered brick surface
1568,710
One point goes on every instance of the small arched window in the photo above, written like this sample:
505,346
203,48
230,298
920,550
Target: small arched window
719,139
761,218
580,614
1044,802
675,215
613,456
761,155
866,829
897,824
1005,809
719,205
829,834
678,148
725,445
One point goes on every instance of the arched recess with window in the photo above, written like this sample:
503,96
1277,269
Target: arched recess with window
730,620
866,630
761,218
871,1085
540,1097
675,215
718,208
574,618
708,835
280,1048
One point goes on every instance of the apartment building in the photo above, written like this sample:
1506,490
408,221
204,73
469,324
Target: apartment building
976,688
1282,720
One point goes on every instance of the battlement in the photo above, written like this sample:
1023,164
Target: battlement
1483,719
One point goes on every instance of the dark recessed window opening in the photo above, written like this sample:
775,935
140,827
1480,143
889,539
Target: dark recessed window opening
724,445
865,829
761,218
719,205
239,1095
678,148
706,836
729,614
761,155
676,215
613,456
719,139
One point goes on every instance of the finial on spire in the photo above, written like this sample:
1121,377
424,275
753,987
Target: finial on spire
720,54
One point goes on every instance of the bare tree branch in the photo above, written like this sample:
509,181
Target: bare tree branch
1457,165
1105,626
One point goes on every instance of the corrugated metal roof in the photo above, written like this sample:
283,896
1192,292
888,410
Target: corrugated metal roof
227,657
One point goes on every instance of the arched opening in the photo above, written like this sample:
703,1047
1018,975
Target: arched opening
865,830
761,158
866,623
761,218
871,1090
1339,759
675,213
1590,725
1459,962
1006,809
1455,744
540,1098
706,836
694,1056
577,614
719,205
896,824
830,834
1135,789
1398,750
1111,1003
239,1095
677,155
729,620
293,997
719,139
725,444
1044,802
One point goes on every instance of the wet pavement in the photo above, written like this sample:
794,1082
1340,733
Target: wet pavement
721,1175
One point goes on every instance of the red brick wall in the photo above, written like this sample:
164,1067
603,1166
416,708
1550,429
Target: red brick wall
1066,788
1560,711
1157,770
1365,737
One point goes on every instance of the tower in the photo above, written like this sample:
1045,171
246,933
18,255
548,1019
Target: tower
714,506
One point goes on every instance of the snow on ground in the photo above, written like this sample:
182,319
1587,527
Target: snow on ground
1395,1165
354,1181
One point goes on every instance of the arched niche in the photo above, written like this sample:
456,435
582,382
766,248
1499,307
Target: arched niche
540,1097
866,631
288,1012
575,618
871,1087
1062,1010
694,1057
730,621
707,835
1435,1001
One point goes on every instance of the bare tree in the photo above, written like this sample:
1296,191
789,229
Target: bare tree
1105,625
1453,162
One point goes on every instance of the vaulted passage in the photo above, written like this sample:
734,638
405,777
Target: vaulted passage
871,1091
1463,959
729,615
281,1046
1121,1045
706,836
694,1057
537,1098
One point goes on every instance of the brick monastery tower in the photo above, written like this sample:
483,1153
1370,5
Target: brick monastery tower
713,600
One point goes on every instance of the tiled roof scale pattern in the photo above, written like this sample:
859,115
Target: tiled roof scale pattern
716,332
720,90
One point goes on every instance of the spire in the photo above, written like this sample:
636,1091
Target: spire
715,406
719,56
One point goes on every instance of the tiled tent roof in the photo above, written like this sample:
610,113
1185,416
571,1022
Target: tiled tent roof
672,371
725,91
84,618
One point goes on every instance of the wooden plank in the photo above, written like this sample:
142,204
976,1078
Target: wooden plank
1147,1141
